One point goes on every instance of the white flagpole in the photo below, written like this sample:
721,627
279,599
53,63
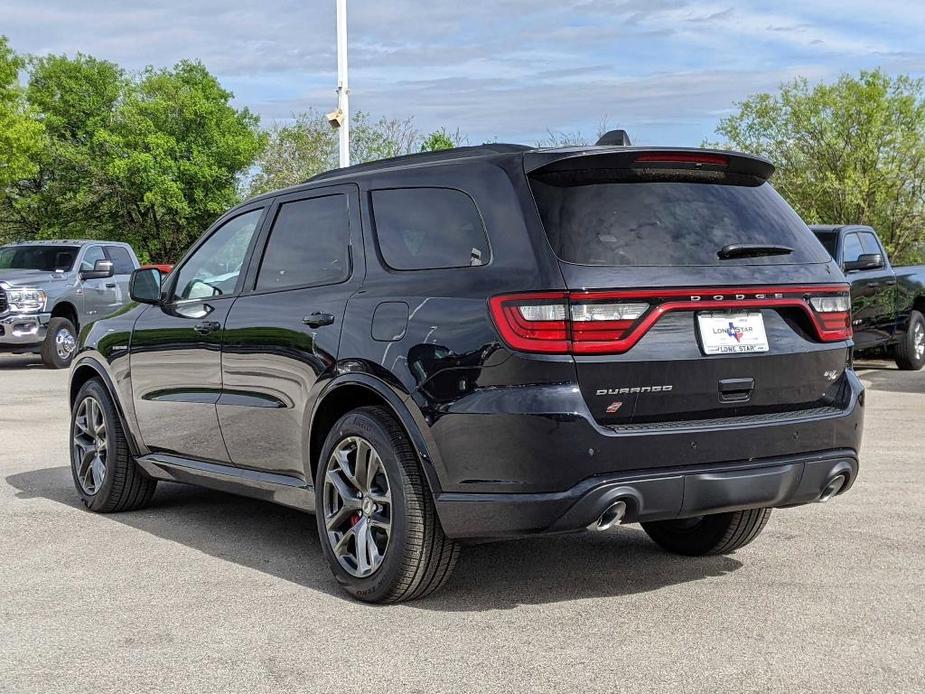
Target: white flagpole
343,90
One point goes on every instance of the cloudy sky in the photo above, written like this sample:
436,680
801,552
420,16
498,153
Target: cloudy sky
666,70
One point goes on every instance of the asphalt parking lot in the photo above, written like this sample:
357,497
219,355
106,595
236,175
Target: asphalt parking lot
208,592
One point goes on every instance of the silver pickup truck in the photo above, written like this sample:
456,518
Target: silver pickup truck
50,289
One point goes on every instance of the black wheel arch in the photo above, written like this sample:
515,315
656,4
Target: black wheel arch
67,310
87,368
350,391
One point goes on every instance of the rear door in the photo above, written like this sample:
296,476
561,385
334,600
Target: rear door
871,292
282,334
122,267
695,290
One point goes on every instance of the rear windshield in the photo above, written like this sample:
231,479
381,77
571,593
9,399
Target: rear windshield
47,258
622,218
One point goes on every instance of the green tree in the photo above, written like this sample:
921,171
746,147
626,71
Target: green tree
74,99
848,152
172,156
21,135
294,153
442,139
308,146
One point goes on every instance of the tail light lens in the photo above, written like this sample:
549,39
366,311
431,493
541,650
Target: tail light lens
611,322
833,316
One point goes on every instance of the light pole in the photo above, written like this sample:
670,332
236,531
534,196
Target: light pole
343,90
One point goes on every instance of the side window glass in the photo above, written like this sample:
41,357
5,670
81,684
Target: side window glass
853,249
309,244
869,243
121,260
425,228
214,268
91,255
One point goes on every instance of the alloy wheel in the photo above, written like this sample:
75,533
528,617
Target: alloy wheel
90,445
357,506
918,340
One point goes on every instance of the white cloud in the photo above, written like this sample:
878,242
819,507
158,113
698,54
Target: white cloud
503,68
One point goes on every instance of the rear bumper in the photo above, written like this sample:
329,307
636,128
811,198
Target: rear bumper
23,332
653,495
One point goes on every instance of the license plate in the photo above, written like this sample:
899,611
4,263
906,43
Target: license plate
732,333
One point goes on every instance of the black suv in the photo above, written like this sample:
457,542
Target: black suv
481,343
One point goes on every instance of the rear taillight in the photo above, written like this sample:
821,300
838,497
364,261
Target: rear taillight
833,316
611,322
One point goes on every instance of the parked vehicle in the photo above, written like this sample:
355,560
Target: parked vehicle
163,268
481,343
50,289
887,302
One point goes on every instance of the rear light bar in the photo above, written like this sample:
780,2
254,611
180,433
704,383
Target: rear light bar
682,158
612,322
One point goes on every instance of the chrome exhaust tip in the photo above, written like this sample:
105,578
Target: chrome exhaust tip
835,485
612,515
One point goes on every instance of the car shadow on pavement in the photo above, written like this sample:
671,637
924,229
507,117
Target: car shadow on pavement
9,362
283,542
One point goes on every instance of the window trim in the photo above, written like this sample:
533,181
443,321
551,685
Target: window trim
375,230
174,277
267,233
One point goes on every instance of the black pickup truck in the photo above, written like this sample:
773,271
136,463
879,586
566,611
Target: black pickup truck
887,302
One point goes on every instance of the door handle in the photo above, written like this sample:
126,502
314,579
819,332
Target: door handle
110,285
318,318
207,326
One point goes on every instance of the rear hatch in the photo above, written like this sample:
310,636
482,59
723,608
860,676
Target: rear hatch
694,290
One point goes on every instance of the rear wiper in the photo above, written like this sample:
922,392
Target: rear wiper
751,250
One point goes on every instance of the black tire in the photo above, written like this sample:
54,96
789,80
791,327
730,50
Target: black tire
58,327
418,558
720,533
910,352
124,486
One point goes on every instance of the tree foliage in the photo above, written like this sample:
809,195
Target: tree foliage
442,139
848,152
21,136
308,145
150,158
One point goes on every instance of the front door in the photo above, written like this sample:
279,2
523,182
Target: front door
869,292
100,298
282,333
176,346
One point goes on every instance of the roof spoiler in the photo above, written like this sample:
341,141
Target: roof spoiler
621,157
614,138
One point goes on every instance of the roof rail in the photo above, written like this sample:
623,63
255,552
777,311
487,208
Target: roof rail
424,157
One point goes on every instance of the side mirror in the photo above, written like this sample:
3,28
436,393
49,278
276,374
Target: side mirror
102,269
145,286
868,261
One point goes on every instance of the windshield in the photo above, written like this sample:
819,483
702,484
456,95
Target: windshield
47,258
628,219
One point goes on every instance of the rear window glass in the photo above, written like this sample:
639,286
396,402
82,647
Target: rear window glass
426,228
629,220
829,241
121,261
309,244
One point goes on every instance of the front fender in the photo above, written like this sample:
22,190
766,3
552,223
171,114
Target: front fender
91,364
